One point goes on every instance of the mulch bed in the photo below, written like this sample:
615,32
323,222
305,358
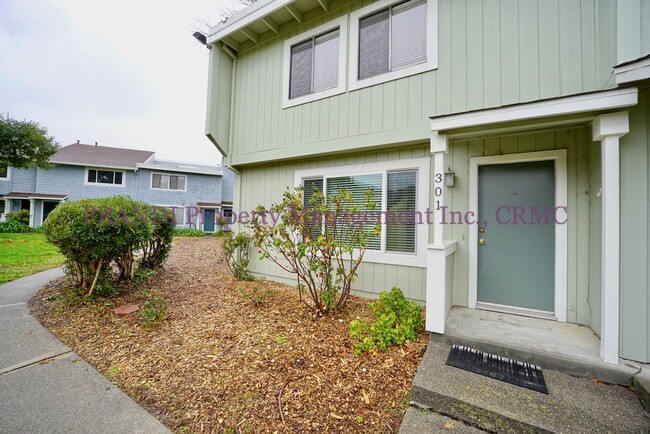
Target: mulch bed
218,363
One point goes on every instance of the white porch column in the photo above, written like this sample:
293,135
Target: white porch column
608,129
7,206
439,278
31,213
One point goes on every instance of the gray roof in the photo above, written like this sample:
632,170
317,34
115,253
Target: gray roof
91,155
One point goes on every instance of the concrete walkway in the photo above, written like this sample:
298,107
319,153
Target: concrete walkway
45,387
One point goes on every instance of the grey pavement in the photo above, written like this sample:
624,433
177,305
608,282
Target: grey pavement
45,387
573,405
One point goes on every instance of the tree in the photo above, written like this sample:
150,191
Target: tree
25,144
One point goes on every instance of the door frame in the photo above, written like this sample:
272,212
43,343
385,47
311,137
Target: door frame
561,231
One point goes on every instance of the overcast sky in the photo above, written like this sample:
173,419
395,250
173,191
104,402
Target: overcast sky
124,73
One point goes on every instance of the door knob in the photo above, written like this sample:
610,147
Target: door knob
481,242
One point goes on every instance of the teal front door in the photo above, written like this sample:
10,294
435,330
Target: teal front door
209,219
516,251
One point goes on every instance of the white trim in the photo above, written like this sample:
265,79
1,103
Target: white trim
101,166
181,169
439,286
608,129
183,207
561,231
432,46
245,17
32,205
151,187
422,165
634,71
99,184
559,106
340,23
202,223
8,177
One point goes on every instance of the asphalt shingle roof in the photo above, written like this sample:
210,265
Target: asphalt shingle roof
92,155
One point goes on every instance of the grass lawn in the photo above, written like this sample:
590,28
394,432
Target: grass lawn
25,254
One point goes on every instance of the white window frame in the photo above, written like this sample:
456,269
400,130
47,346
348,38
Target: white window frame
340,23
432,46
8,177
108,169
177,207
169,174
422,166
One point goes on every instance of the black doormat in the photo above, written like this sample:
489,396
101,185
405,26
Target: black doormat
500,368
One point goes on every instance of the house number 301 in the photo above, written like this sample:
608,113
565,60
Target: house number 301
438,190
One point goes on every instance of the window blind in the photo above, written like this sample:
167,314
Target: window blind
400,211
301,64
358,186
374,45
326,61
311,186
408,34
393,38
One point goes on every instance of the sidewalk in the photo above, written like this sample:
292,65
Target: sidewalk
45,387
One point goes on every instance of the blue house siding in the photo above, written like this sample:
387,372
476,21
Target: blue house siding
70,180
23,180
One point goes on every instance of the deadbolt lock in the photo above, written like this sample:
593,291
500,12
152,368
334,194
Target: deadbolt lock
481,229
481,242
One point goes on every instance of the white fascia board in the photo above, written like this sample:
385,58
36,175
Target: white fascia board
605,100
631,72
179,170
94,166
245,18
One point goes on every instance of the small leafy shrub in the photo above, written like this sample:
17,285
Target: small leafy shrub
153,310
13,227
188,232
21,216
322,243
141,275
99,235
396,321
257,295
235,249
220,234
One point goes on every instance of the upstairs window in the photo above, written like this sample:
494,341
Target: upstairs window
392,40
315,64
105,177
161,181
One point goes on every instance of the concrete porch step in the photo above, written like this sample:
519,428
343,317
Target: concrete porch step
569,348
573,405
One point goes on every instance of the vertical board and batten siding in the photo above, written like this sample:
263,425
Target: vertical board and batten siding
577,142
265,184
491,53
635,234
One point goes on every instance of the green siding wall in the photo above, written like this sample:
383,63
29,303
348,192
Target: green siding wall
635,234
491,53
264,185
577,143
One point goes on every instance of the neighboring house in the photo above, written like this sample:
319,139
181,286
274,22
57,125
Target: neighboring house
518,112
198,193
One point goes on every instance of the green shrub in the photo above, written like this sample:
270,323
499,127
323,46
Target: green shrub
235,249
220,234
13,227
21,216
396,321
95,234
154,310
188,232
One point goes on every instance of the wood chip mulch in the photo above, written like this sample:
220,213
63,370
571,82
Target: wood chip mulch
218,363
